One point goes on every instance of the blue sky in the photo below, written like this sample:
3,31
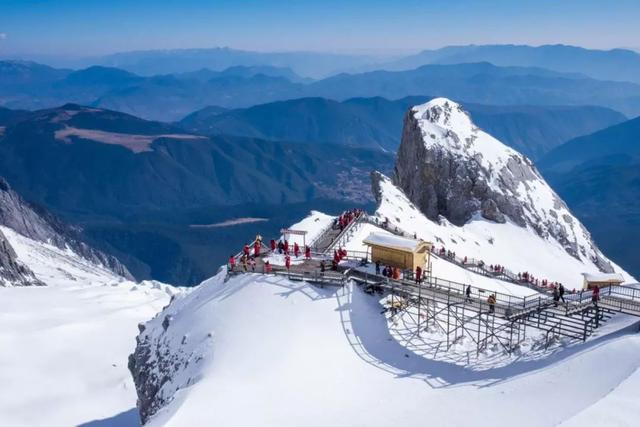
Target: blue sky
87,27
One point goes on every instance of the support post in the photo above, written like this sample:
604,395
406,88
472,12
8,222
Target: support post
448,313
419,302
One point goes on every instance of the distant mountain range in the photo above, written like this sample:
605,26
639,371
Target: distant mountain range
307,64
615,64
377,122
171,97
598,175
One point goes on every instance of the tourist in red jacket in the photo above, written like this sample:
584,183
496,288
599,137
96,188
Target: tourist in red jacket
418,275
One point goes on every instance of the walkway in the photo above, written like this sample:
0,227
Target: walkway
577,318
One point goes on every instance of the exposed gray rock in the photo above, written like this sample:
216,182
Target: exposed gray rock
154,364
491,212
40,225
12,272
448,167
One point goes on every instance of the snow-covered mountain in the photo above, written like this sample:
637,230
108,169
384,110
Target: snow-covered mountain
298,354
453,171
40,225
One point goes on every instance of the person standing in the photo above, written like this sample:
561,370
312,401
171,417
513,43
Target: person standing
595,295
296,249
492,303
232,263
556,296
378,267
468,292
267,267
418,275
561,291
287,262
256,248
273,245
307,252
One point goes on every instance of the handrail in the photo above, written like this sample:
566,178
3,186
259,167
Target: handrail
351,226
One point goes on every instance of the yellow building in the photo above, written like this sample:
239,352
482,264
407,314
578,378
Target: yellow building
591,280
398,251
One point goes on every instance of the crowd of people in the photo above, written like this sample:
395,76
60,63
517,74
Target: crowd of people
338,255
497,269
250,253
347,218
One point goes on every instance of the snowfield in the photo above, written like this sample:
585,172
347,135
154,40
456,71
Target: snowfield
64,347
267,351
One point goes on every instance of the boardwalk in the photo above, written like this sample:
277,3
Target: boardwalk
576,319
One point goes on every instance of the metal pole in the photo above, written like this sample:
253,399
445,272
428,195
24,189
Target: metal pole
448,312
419,300
479,326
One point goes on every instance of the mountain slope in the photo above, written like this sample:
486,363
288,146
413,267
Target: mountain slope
449,168
377,122
598,175
314,120
39,225
92,160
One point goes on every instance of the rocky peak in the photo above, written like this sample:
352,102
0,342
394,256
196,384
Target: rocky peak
449,167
